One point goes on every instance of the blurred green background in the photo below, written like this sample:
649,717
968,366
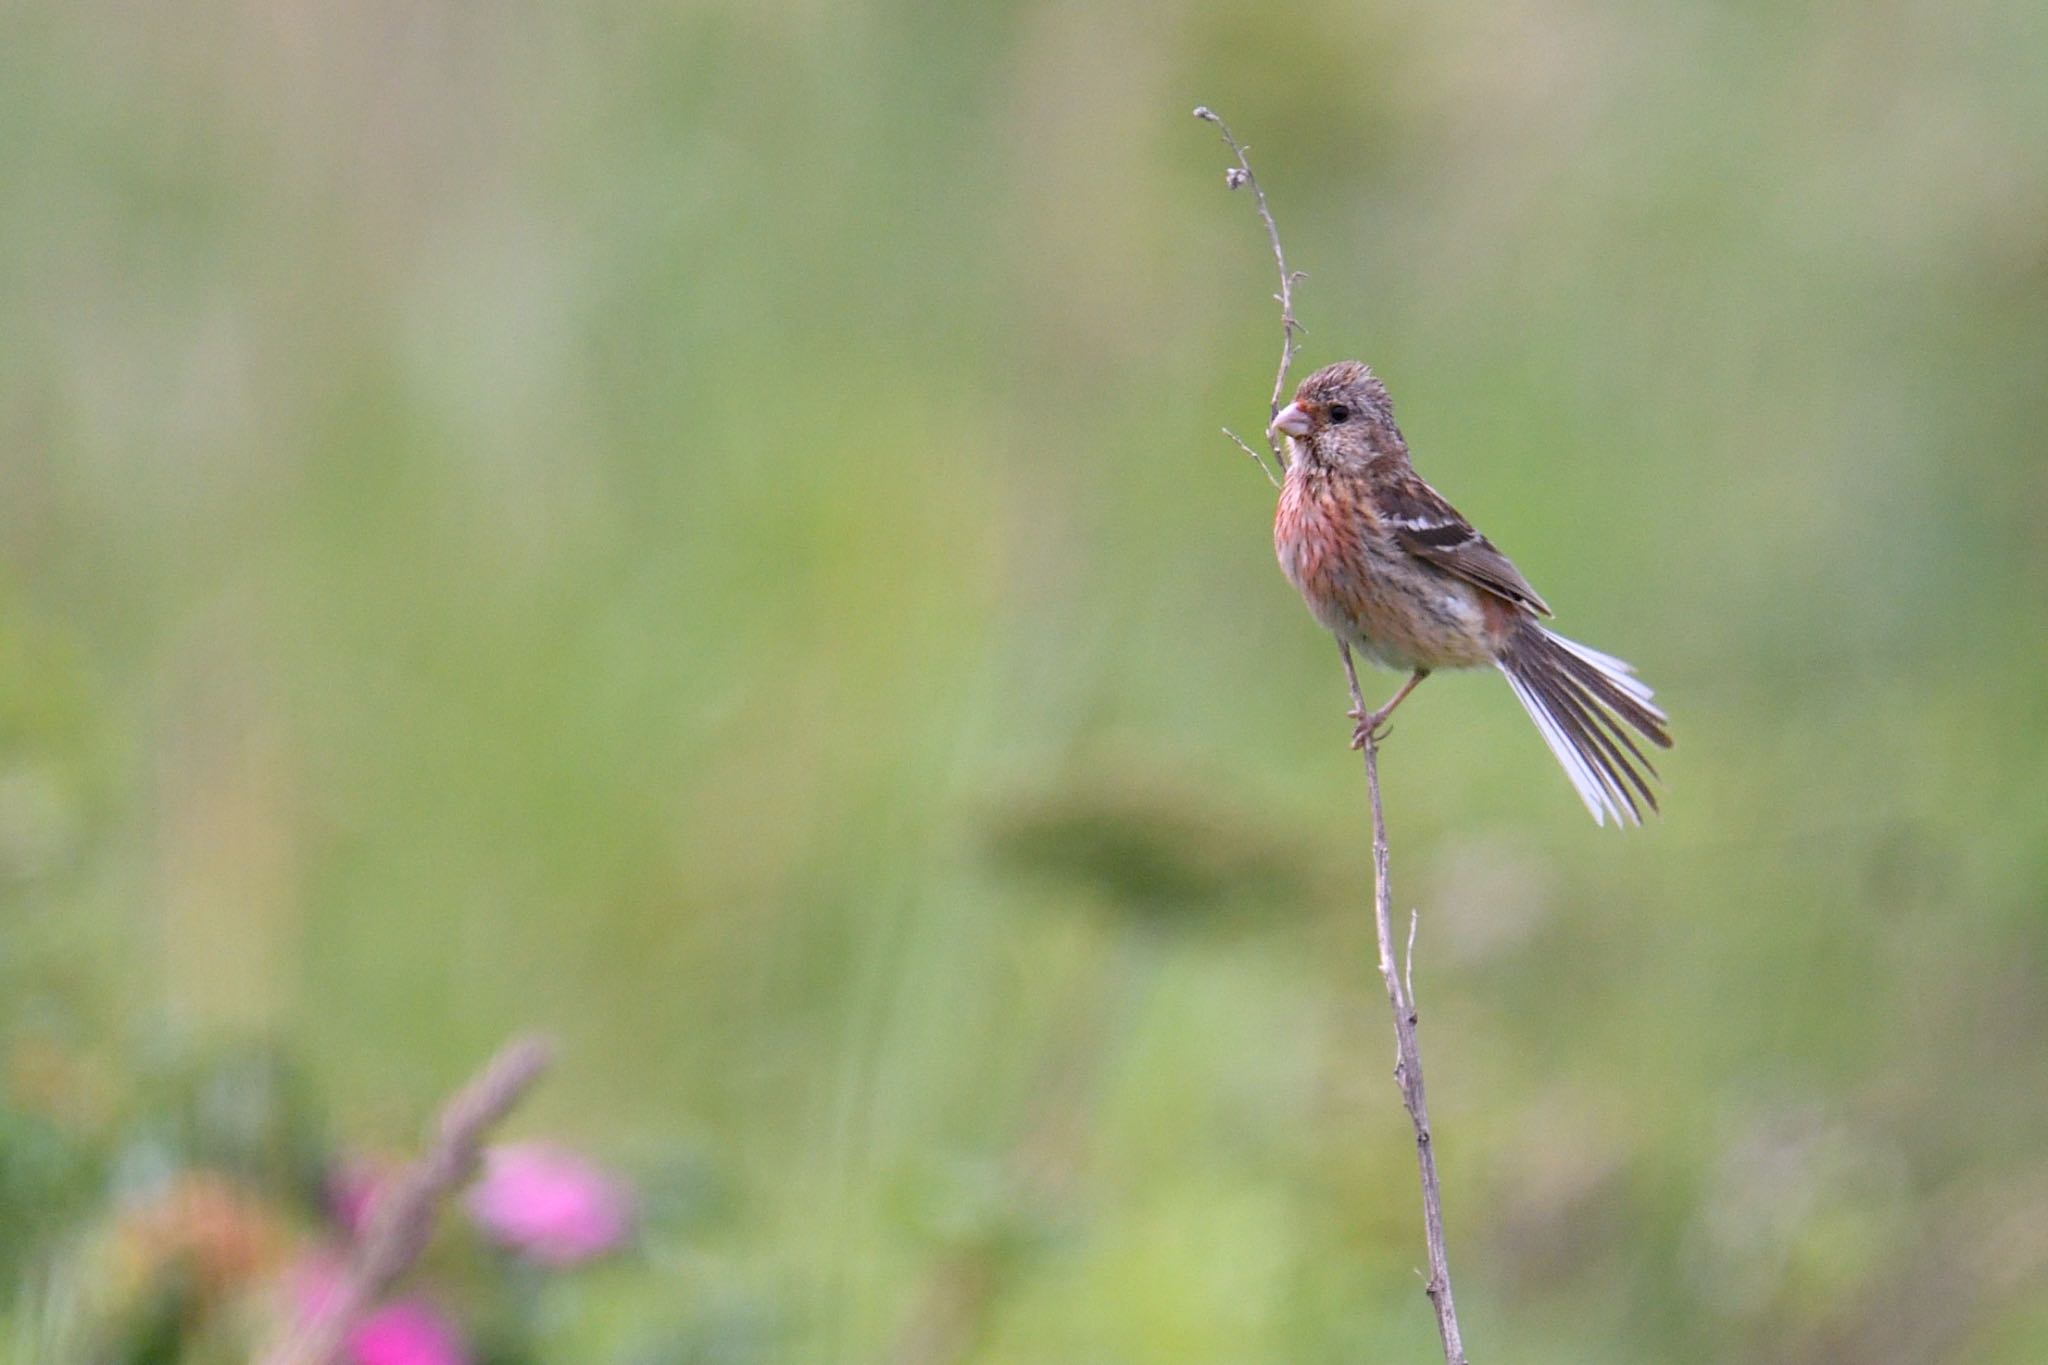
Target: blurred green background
703,529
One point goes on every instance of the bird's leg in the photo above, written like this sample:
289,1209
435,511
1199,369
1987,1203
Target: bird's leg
1369,722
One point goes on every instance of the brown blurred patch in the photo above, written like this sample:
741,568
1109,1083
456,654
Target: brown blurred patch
201,1229
1134,836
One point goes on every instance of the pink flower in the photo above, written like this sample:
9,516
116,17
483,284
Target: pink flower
407,1332
550,1204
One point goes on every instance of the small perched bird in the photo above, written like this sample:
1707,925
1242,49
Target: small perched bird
1393,571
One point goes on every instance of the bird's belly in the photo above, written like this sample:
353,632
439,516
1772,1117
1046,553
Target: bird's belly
1417,624
1399,613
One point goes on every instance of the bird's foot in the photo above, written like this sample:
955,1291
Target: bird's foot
1368,730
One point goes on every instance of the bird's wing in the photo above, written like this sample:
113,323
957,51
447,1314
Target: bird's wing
1430,529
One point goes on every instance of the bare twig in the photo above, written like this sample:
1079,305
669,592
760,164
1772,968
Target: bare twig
1400,986
1407,1051
403,1217
1236,177
1257,458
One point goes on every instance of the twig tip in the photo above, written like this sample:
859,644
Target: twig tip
532,1049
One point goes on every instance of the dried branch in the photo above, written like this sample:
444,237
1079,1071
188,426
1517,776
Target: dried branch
1400,987
1237,177
1407,1051
1257,458
402,1219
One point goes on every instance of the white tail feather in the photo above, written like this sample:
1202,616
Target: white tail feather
1580,699
1617,671
1592,786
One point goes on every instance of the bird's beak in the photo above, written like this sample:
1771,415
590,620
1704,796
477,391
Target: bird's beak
1292,420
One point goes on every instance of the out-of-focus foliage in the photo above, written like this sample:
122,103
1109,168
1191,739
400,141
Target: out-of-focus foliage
703,528
217,1215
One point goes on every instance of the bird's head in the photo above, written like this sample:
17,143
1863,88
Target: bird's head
1341,415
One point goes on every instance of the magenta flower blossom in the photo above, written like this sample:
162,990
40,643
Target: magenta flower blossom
407,1332
550,1204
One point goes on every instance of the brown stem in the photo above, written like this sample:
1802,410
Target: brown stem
403,1217
1407,1051
1290,330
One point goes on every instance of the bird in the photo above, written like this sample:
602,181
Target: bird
1392,570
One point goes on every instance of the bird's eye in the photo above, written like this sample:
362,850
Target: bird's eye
1340,413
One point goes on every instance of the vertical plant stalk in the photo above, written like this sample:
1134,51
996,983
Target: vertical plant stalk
1399,983
402,1219
1407,1051
1240,177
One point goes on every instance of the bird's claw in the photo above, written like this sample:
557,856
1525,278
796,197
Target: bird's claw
1368,729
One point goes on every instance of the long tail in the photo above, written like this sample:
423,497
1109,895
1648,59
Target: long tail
1578,697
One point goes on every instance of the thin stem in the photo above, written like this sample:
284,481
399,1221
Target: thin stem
403,1218
1257,458
1290,330
1407,1051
